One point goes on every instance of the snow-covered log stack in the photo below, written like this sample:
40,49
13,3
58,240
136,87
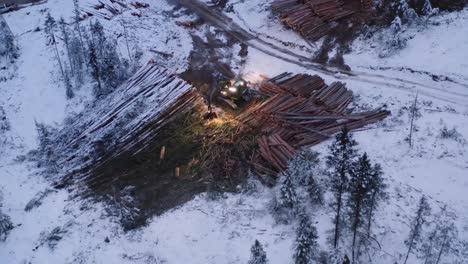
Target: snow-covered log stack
124,121
312,18
301,111
107,9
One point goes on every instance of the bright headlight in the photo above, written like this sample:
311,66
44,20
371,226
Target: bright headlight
233,89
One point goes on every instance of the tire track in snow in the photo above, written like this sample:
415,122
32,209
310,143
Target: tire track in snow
217,19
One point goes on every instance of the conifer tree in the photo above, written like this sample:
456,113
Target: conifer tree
417,225
314,191
8,47
306,246
50,25
448,236
285,203
257,254
77,58
340,161
66,40
360,188
377,195
111,65
95,69
78,29
5,226
441,240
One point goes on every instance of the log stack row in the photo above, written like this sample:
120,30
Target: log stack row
301,110
312,18
107,9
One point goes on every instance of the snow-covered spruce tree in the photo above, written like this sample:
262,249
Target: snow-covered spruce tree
50,25
314,191
306,246
376,196
8,47
111,65
301,169
340,161
417,225
407,14
448,236
4,123
257,254
285,202
5,226
66,40
442,240
392,39
427,247
77,25
107,67
46,145
77,59
360,188
95,68
427,9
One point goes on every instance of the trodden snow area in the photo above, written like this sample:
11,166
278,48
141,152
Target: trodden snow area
234,131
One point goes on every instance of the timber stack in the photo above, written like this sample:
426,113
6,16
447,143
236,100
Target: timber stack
313,18
300,110
126,121
107,9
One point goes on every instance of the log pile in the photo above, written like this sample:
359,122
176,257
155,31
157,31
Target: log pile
301,110
107,9
312,18
126,121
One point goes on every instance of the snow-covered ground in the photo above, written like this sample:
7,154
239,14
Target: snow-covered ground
222,230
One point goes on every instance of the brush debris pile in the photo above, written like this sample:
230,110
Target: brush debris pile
313,18
301,110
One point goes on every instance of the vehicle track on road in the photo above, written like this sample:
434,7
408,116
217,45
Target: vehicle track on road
216,18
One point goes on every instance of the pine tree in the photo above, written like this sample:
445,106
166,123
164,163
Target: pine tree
77,58
300,170
377,195
441,239
5,226
8,47
360,188
340,160
95,69
286,201
428,246
50,25
77,19
314,191
417,225
306,246
98,37
406,12
257,254
448,236
66,40
427,8
111,66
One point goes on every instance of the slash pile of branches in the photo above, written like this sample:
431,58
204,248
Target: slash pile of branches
300,110
313,18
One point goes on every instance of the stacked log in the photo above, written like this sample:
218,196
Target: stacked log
126,121
107,9
301,110
312,18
